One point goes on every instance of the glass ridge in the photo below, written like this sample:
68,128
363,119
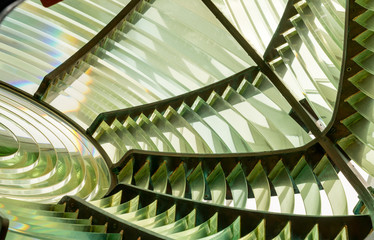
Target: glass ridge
186,136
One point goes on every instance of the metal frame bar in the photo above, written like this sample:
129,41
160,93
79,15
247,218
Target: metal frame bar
114,223
174,102
333,152
6,6
4,225
326,138
336,130
75,58
283,25
313,153
275,222
265,68
64,67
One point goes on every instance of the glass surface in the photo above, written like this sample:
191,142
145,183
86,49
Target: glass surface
255,117
332,185
176,139
366,3
319,105
196,182
359,145
310,54
285,233
178,181
30,220
358,152
247,131
34,40
224,129
165,48
191,134
52,159
184,223
256,20
257,233
146,212
112,144
211,138
343,234
282,182
231,232
205,229
238,186
161,142
142,176
160,179
125,207
308,187
125,175
217,185
110,201
140,136
161,219
161,45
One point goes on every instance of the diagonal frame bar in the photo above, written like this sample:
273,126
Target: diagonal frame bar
66,66
188,98
264,68
331,149
283,25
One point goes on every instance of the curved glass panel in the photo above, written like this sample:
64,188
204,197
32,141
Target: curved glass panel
162,49
44,158
34,40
